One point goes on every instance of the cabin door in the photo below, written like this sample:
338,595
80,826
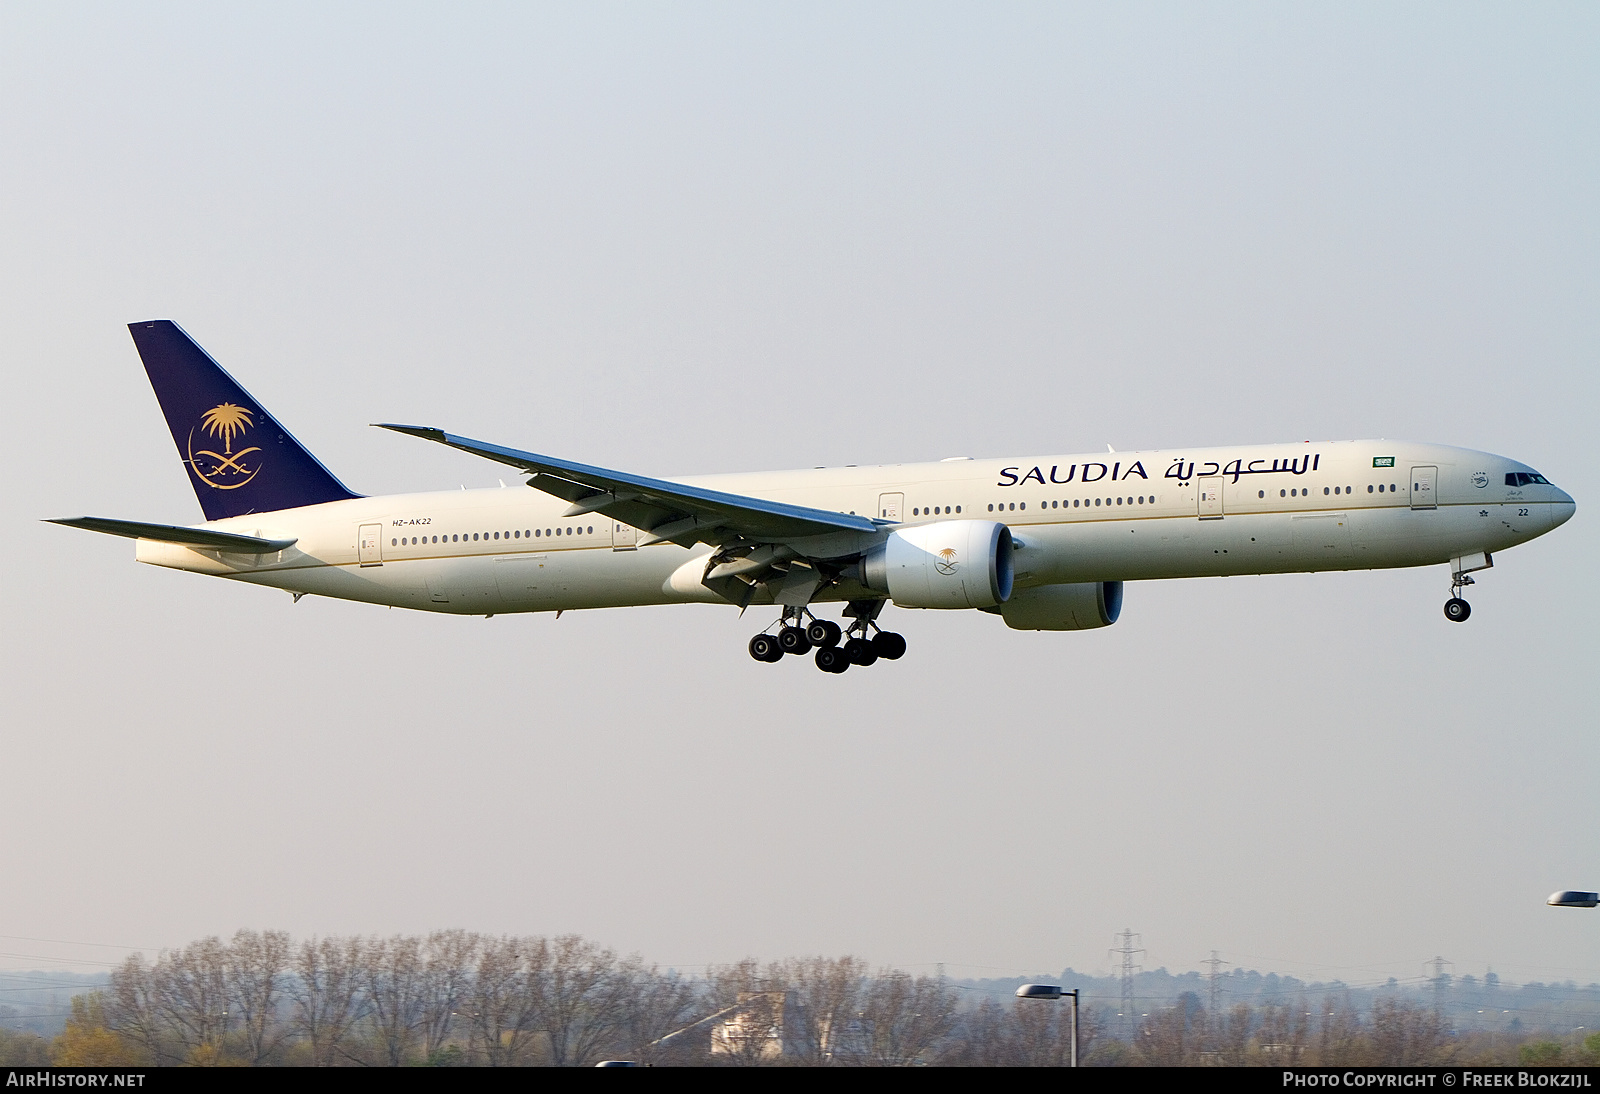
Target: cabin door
370,549
1210,497
624,537
1422,484
889,506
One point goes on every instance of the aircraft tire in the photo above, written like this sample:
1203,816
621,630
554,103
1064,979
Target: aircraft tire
832,659
1457,610
764,648
793,640
824,632
860,652
889,645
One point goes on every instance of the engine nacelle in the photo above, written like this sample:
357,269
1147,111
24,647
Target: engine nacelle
945,564
1064,607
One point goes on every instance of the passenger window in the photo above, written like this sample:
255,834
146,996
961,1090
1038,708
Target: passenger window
1324,491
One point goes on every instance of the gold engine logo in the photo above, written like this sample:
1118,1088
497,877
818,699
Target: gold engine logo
946,562
225,470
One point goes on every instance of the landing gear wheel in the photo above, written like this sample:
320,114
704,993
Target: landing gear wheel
832,659
793,640
764,647
889,645
860,652
1457,610
824,632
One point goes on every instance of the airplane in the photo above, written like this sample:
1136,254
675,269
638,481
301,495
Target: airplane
1045,543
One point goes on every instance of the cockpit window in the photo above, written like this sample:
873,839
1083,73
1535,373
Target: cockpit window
1526,478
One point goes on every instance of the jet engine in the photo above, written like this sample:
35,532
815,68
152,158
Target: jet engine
944,564
1079,607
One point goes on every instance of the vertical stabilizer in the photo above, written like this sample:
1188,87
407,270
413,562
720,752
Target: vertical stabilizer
240,460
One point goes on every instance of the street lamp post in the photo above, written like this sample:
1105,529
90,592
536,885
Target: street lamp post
1053,992
1572,898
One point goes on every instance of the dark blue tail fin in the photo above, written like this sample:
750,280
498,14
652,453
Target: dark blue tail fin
240,459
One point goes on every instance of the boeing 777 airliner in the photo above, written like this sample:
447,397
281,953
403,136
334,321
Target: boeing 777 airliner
1043,542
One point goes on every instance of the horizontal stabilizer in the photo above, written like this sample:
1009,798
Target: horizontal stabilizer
173,533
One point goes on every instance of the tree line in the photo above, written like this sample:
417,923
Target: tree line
457,998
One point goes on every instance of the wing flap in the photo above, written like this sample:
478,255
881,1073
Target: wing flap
174,533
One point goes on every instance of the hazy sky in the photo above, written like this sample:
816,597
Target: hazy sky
695,238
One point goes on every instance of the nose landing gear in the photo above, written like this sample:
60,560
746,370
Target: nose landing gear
1455,609
797,636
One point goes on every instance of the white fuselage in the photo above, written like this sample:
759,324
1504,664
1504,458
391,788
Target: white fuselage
1122,516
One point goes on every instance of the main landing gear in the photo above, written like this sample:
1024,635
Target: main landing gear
1455,609
800,632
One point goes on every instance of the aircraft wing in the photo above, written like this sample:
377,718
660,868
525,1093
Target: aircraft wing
669,511
175,533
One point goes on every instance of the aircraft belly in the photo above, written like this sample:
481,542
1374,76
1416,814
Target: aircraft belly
569,580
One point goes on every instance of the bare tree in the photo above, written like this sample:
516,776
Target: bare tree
255,965
1170,1037
654,1005
1339,1039
503,1001
752,1032
448,959
394,985
904,1018
191,995
583,1000
1405,1035
133,1010
829,992
327,994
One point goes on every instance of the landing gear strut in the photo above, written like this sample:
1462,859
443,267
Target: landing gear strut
800,632
1455,609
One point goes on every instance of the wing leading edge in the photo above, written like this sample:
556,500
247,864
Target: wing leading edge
669,511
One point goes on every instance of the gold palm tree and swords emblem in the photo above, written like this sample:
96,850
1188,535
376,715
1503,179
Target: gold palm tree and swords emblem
224,422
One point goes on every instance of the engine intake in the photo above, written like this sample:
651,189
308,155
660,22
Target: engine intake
945,564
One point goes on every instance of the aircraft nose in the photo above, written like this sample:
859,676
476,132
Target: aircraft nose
1562,508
